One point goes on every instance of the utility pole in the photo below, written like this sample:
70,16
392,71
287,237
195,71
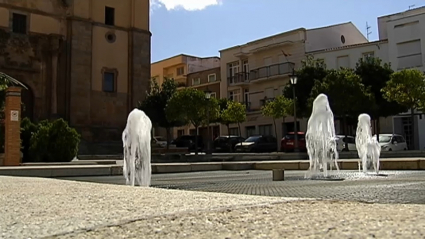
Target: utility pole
411,6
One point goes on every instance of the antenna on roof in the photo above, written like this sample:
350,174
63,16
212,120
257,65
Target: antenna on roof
367,31
412,6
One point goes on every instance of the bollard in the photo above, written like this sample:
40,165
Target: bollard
278,174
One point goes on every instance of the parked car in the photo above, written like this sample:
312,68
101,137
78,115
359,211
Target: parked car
258,143
392,142
287,143
226,143
159,141
188,141
341,140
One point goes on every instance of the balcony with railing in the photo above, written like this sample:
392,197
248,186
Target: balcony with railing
238,78
271,71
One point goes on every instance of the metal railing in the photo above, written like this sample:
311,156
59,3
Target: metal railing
241,77
272,70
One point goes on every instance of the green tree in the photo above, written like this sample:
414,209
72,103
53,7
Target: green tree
407,88
191,105
234,113
277,108
156,102
311,70
375,75
347,95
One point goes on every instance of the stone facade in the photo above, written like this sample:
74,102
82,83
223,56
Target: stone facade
28,59
59,69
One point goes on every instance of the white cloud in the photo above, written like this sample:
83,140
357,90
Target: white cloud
188,5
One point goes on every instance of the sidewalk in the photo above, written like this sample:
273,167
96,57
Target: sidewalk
37,207
115,167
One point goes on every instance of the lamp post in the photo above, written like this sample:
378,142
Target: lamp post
293,79
208,96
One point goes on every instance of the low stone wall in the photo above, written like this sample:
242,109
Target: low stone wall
237,157
116,170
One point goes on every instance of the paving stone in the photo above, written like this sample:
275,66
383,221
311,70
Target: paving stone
388,187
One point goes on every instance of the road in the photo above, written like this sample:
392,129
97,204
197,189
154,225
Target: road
388,187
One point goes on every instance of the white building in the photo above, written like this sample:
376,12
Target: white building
401,40
260,70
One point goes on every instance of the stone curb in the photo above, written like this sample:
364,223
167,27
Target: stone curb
112,170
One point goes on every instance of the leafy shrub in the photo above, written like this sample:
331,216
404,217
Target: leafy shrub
54,142
28,128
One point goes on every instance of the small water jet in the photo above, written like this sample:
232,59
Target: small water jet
368,147
136,139
321,138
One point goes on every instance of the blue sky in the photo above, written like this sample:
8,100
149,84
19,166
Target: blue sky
203,27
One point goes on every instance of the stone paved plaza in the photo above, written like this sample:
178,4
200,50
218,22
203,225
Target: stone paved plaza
388,187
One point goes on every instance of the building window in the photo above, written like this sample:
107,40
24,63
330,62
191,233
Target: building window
250,131
19,23
196,81
180,71
234,95
232,69
110,16
213,95
409,54
109,81
234,131
343,62
368,55
212,78
180,132
265,129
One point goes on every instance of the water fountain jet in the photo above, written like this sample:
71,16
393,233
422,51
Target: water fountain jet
136,139
321,138
368,147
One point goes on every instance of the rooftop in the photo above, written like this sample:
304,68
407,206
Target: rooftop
186,56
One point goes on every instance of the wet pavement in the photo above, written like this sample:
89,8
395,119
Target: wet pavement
388,187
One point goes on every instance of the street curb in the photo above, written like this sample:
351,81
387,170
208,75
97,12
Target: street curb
113,170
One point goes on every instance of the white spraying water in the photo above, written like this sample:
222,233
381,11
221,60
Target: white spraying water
136,139
368,147
320,138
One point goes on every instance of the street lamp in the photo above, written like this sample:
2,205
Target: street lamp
208,97
294,79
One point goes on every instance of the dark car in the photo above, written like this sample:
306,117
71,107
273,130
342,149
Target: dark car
258,143
188,141
226,143
287,144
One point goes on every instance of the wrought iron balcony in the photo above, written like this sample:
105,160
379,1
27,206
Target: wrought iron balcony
238,78
271,71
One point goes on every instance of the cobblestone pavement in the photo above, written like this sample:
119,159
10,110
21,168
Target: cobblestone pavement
388,187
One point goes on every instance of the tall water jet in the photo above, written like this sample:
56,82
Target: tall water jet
368,147
136,139
320,138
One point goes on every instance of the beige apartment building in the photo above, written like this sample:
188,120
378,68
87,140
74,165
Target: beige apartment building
203,80
186,70
177,67
401,43
259,70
